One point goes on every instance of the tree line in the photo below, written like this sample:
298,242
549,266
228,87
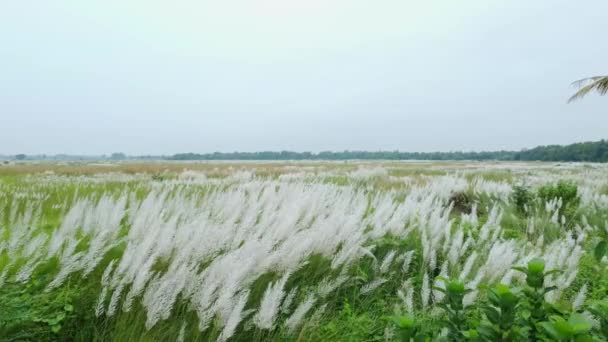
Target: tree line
586,151
580,152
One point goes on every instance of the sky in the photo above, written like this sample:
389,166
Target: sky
163,77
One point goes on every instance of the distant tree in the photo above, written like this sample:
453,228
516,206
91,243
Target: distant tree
588,151
590,84
118,156
20,156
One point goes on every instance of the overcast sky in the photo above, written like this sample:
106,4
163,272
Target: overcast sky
160,77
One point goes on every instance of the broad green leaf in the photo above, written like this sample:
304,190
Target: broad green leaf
600,250
564,328
492,314
579,323
552,331
536,265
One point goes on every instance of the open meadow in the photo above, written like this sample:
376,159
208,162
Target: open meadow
306,251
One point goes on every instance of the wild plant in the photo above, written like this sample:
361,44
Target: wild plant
455,322
522,198
576,328
407,328
534,307
500,315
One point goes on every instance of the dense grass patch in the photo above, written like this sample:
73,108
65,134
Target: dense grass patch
321,253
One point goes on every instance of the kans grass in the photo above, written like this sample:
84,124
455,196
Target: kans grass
279,251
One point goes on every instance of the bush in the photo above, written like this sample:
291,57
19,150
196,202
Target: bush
462,202
566,191
522,197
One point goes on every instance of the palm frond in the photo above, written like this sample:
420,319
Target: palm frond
587,85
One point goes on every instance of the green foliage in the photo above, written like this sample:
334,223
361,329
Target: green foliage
508,314
349,324
500,315
576,328
599,308
535,309
32,313
407,329
564,190
522,197
453,305
600,249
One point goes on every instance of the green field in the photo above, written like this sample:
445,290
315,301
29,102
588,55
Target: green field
306,251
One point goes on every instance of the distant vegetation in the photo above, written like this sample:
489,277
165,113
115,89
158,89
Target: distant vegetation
587,151
346,155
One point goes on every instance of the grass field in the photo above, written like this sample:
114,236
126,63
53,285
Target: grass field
327,251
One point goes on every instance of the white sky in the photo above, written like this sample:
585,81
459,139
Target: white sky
160,77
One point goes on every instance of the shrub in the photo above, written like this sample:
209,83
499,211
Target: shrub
534,307
453,304
407,329
522,197
462,202
576,328
500,314
567,192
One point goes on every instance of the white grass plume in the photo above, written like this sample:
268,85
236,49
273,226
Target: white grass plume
270,304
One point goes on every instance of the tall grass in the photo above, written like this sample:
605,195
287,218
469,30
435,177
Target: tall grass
281,254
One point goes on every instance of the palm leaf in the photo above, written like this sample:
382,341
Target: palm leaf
587,85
